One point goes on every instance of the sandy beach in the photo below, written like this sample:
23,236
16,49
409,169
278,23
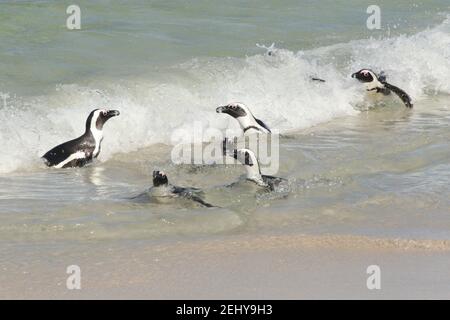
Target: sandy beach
238,267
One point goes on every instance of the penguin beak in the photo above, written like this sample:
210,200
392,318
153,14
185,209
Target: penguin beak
225,109
358,77
112,113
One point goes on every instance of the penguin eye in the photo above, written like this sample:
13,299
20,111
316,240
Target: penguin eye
104,112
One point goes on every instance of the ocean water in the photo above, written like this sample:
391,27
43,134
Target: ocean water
354,165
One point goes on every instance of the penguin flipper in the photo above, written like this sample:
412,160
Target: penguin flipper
262,124
202,202
232,185
185,192
400,93
191,194
139,196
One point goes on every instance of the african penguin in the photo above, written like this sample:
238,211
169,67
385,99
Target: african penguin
248,158
81,151
244,116
163,190
379,84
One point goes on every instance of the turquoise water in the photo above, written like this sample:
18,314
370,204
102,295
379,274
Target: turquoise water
354,166
129,38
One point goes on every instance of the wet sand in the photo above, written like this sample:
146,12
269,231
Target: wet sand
235,267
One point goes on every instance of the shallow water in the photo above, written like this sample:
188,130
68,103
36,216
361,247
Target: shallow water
366,174
353,166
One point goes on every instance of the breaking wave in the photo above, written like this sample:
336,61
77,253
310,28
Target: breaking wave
276,85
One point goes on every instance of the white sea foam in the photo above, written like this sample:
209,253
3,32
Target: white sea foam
277,87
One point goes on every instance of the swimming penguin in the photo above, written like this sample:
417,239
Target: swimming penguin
248,158
244,116
379,84
163,190
81,151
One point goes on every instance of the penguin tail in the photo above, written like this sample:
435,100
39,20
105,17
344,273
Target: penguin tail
46,161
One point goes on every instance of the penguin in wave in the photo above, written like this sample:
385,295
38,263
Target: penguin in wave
82,150
248,159
244,116
379,84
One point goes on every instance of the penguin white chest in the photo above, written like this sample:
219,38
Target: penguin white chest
98,137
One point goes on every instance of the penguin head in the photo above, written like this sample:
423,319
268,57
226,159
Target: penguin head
98,117
159,178
236,110
365,75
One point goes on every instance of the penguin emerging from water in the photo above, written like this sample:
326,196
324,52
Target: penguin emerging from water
163,190
82,150
244,116
379,84
248,158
